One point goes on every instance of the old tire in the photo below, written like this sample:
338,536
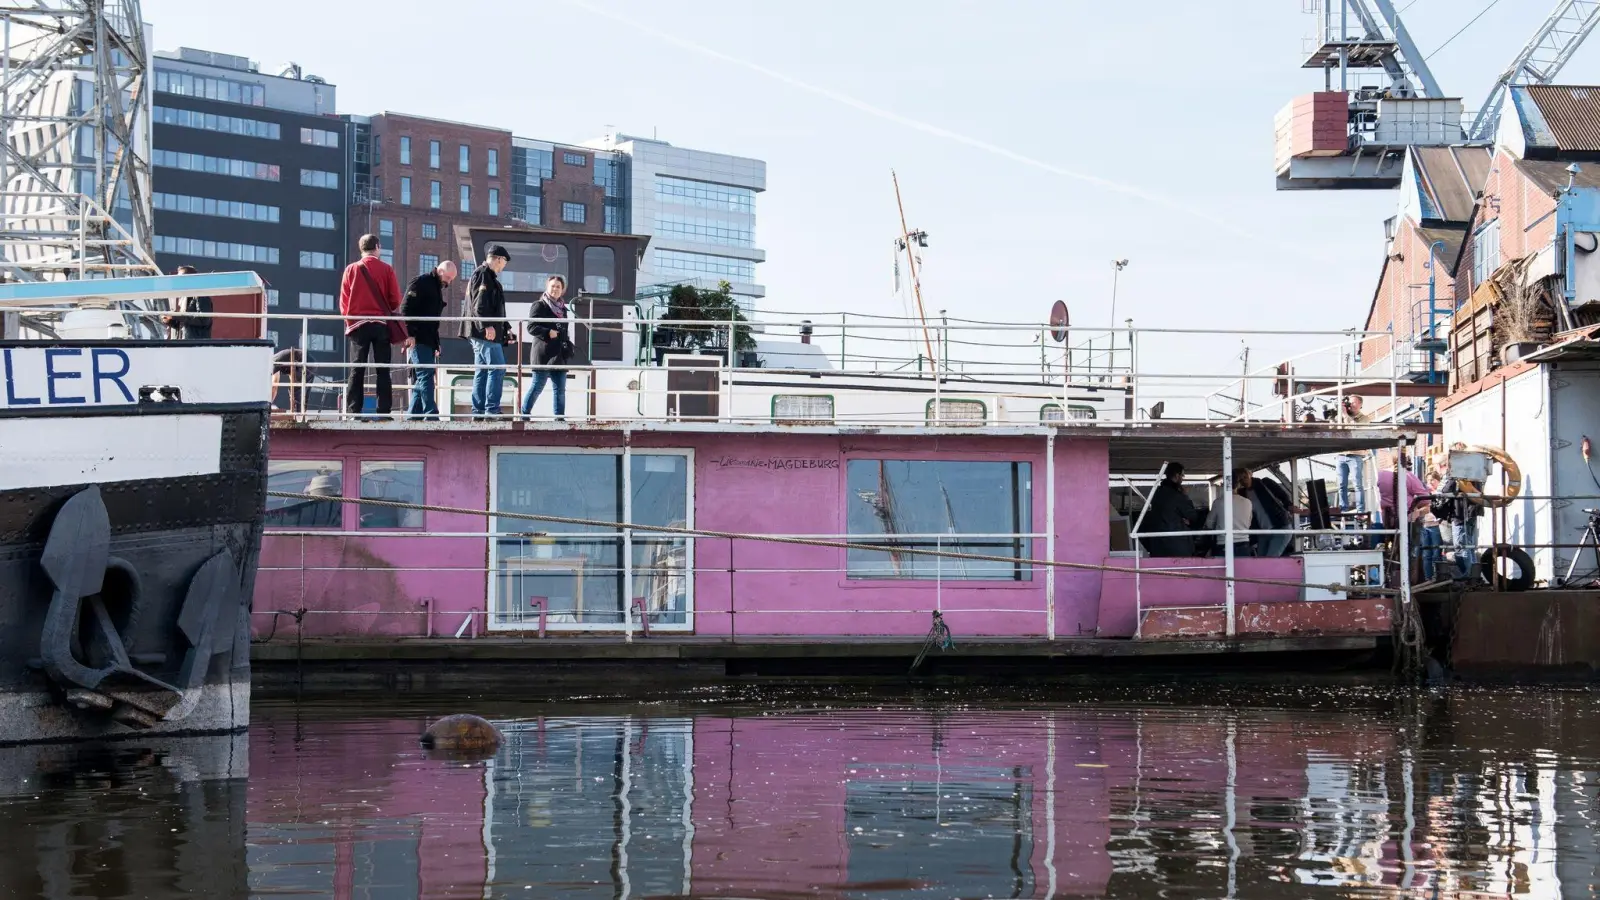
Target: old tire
1517,556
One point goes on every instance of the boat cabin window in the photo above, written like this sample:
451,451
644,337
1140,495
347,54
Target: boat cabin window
532,264
957,412
299,476
952,505
398,481
599,270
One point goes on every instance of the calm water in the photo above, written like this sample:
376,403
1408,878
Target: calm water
1128,792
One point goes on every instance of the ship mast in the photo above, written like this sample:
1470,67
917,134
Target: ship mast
906,243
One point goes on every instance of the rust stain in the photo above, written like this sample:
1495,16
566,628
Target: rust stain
1329,618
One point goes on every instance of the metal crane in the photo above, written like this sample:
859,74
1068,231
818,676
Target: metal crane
1544,56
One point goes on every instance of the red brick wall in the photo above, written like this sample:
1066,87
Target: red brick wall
1403,292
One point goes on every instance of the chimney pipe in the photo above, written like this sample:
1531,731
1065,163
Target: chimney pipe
805,331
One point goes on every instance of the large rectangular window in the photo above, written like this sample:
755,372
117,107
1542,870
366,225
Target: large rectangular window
466,198
386,228
225,89
166,243
705,195
433,154
399,482
405,190
435,195
188,118
311,218
311,259
705,264
493,167
318,137
465,159
210,206
325,478
576,570
214,165
312,301
494,201
430,231
427,262
574,213
317,178
960,506
1485,252
706,231
405,151
531,266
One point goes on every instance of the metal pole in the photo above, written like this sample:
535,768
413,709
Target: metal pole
1227,528
305,368
1050,534
911,258
627,539
1402,510
1133,370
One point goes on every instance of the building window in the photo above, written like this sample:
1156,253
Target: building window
575,213
310,218
706,231
386,228
493,167
310,259
1485,252
183,246
210,206
405,190
317,302
325,478
532,265
317,137
574,159
426,263
320,343
599,269
225,89
272,297
272,336
580,573
705,195
400,482
433,154
466,198
982,508
802,408
494,201
188,118
613,224
430,231
386,255
319,179
957,412
214,165
405,151
465,161
705,264
435,195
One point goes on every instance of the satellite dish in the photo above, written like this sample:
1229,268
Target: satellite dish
1059,321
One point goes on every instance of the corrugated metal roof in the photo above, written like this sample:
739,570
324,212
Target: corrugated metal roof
1451,236
1571,112
1452,178
1551,174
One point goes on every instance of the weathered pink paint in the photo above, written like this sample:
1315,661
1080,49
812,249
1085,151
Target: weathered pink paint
375,583
1121,589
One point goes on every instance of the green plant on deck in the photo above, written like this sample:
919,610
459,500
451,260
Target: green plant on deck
701,319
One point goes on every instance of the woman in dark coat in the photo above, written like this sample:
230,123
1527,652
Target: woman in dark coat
551,346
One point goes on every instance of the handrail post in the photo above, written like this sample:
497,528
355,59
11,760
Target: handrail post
538,603
1227,528
305,368
1049,534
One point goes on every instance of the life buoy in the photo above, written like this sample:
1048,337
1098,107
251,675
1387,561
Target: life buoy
1513,472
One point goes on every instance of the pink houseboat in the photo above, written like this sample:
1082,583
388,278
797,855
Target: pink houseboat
797,494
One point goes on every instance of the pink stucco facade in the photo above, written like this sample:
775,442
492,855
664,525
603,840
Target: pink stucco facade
356,583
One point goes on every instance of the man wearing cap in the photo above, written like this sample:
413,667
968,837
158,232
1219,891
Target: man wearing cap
488,331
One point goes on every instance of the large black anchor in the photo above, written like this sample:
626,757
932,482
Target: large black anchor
77,557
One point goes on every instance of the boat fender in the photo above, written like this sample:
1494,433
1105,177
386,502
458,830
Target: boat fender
1518,556
464,734
1474,491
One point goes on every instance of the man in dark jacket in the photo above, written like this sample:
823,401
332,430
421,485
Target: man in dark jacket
194,314
489,331
422,306
1170,510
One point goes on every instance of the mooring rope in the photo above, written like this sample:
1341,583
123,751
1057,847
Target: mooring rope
938,636
830,544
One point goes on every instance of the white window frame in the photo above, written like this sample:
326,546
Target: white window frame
493,550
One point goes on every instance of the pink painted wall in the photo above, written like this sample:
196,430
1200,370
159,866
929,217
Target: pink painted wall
375,583
1123,591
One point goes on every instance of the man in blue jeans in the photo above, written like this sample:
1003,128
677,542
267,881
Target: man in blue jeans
1352,467
422,306
489,331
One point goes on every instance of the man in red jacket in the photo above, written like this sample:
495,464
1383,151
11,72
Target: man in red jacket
368,296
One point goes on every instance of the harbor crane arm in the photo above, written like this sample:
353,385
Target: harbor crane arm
1540,61
1408,48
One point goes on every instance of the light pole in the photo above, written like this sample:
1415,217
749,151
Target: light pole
1117,265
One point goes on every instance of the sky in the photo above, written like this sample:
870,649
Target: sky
1035,142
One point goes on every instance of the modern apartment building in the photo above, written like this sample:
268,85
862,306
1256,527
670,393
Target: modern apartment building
249,172
699,209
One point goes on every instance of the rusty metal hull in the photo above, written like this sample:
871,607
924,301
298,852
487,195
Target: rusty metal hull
1272,620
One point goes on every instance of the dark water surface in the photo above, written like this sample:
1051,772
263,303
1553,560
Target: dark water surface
776,793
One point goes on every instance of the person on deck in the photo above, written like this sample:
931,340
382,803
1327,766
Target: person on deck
1416,495
422,307
369,294
1458,516
1243,515
192,315
288,367
551,347
1273,509
1170,510
489,331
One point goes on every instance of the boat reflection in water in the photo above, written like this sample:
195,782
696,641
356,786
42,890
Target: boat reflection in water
144,817
1493,792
